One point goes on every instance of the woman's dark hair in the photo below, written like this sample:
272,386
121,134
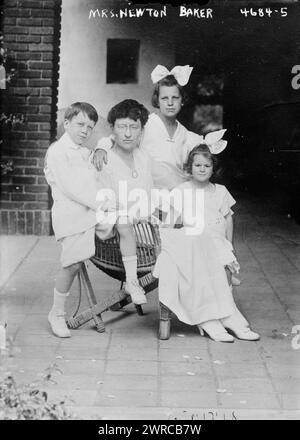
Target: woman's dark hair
168,81
129,108
204,151
83,107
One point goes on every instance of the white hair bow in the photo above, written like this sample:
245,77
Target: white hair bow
181,74
215,142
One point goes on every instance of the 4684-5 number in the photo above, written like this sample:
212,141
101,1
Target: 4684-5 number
263,12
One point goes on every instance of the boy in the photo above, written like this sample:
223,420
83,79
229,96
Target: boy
72,181
74,190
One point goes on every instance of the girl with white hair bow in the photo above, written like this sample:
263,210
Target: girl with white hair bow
188,267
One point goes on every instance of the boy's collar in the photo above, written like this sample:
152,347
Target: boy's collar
69,141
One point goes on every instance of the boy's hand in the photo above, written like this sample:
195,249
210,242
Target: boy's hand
100,153
99,156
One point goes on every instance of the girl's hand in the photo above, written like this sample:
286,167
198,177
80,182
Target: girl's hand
99,157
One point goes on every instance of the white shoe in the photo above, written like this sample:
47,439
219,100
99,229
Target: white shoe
235,320
215,331
244,333
58,324
136,292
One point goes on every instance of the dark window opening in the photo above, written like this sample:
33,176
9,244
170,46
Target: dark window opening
122,61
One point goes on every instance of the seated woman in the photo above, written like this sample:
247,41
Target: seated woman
125,178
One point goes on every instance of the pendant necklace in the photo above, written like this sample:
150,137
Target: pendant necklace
134,173
133,170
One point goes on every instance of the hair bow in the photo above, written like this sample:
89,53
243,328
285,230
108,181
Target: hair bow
215,142
180,73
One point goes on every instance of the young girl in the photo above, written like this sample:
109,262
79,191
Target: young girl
198,291
166,140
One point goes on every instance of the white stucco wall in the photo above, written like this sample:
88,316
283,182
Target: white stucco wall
82,74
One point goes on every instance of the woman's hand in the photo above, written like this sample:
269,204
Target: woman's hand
99,157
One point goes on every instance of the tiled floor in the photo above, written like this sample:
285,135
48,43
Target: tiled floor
128,373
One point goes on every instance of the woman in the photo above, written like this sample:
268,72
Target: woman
127,170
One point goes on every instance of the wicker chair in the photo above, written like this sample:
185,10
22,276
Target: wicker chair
108,258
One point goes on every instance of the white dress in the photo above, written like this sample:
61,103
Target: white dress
190,268
217,204
192,282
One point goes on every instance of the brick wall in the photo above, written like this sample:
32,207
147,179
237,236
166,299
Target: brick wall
31,35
